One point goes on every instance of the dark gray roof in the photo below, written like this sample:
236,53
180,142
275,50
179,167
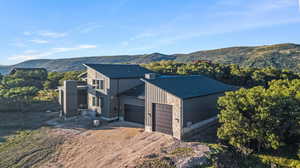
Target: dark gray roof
120,70
190,86
138,92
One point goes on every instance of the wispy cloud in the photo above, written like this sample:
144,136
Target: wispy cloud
89,27
18,44
51,34
252,14
144,35
39,41
34,54
26,33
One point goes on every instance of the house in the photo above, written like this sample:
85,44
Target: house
105,83
176,105
173,105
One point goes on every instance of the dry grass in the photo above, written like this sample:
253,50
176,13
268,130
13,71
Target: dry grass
28,148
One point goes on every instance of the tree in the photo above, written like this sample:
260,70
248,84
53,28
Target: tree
71,75
36,74
53,79
261,118
230,74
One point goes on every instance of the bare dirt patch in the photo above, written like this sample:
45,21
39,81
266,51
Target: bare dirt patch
118,144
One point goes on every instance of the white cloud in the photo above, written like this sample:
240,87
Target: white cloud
18,44
249,15
34,54
86,28
26,33
30,51
38,41
52,34
87,46
144,35
125,43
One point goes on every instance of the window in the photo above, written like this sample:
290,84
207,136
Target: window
93,84
98,84
102,84
94,101
98,101
101,101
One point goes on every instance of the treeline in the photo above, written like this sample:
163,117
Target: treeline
230,74
23,87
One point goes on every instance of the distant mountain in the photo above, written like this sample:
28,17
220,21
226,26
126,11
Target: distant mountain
283,56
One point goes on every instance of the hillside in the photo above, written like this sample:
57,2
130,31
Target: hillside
283,56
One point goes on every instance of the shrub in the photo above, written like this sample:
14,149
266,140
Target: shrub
261,118
46,95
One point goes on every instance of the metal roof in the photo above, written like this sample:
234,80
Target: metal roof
120,70
138,92
190,86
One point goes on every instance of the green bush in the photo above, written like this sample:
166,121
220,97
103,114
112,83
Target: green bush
47,95
261,118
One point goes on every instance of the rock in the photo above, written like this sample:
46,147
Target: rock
191,162
196,159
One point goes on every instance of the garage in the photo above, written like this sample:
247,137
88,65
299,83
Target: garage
134,113
162,120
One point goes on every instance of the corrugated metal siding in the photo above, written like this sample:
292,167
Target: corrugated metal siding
112,87
154,94
200,108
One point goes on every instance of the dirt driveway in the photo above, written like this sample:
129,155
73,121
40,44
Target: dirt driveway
115,145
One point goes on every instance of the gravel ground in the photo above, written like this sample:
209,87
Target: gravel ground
118,144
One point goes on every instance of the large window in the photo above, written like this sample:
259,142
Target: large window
98,84
94,101
98,101
102,84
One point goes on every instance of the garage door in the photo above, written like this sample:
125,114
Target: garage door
134,113
162,120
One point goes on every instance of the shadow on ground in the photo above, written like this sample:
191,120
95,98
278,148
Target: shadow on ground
12,122
207,136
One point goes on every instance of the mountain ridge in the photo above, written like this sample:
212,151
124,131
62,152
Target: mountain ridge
283,56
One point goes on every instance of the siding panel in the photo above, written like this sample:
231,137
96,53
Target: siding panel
200,108
154,94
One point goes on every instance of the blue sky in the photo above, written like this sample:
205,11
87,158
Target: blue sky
43,29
